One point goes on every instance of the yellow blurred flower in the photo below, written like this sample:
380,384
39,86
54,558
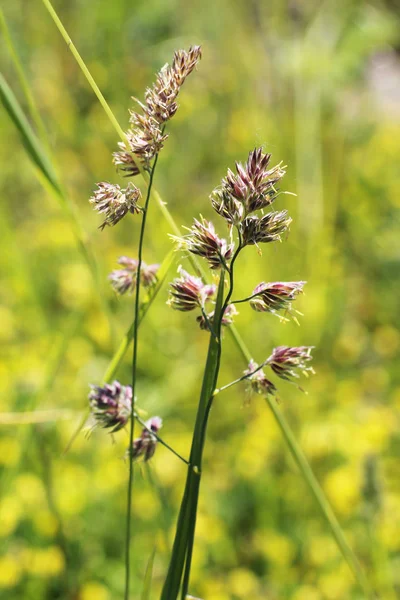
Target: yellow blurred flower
146,503
243,583
337,584
94,591
10,451
214,589
75,284
342,486
209,528
10,571
279,548
44,522
10,513
322,549
43,562
71,488
306,592
29,488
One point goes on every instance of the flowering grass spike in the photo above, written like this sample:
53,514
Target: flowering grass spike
188,292
145,445
272,297
202,240
286,361
110,405
123,280
258,381
114,203
146,137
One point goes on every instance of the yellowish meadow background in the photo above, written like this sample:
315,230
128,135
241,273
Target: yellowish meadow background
315,83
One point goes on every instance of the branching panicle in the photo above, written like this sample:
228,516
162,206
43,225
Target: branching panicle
202,240
286,361
188,292
227,318
258,381
111,405
123,280
251,188
268,228
145,445
146,135
273,297
114,203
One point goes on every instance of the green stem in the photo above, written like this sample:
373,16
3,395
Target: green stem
242,378
187,513
134,373
84,69
159,439
218,320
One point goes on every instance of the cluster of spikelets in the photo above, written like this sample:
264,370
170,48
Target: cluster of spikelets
241,200
145,137
111,404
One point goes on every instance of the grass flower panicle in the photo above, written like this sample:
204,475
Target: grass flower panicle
228,207
273,297
252,188
202,240
161,98
258,381
146,137
114,203
189,292
268,228
145,445
254,184
227,319
286,361
111,405
123,280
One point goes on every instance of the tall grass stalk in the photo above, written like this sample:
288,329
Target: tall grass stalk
310,480
134,373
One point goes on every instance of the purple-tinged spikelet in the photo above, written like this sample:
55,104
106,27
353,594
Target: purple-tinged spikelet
285,361
258,381
203,241
227,206
251,188
272,297
145,137
188,292
114,203
254,184
227,319
123,280
111,405
268,228
125,162
145,445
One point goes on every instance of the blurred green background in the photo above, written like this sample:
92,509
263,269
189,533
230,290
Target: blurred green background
316,83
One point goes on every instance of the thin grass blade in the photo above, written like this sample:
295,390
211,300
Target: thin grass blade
148,577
